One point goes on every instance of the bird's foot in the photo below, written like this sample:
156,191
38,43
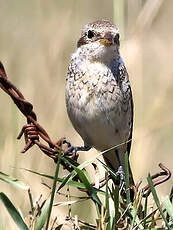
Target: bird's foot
71,150
120,173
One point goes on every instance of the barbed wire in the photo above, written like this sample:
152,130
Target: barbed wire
33,131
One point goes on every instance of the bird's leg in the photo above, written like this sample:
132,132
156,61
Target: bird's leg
74,149
120,171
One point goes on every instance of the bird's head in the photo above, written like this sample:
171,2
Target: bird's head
99,41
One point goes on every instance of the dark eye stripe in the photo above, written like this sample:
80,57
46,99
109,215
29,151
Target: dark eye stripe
116,39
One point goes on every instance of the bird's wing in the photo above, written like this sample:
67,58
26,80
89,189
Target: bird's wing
131,130
121,75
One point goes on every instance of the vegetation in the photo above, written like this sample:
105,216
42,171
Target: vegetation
116,208
37,38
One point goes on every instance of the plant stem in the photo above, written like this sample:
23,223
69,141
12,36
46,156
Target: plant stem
53,190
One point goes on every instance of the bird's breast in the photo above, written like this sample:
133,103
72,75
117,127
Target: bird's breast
91,84
94,104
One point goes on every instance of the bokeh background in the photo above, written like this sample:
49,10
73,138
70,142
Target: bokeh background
37,38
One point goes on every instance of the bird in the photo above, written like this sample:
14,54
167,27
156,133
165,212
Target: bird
98,95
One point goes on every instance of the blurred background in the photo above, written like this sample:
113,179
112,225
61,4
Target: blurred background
37,38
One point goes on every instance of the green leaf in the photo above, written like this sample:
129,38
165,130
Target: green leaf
13,212
89,187
64,181
40,174
108,218
145,210
13,181
67,180
71,182
109,169
71,175
168,206
149,179
134,213
115,191
42,219
53,190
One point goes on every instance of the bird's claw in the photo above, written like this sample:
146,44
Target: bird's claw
68,143
72,152
71,149
120,173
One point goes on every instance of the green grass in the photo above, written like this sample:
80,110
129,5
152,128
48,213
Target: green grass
116,210
37,39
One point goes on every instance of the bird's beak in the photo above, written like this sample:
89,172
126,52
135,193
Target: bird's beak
107,40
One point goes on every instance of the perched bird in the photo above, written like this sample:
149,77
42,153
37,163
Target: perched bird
98,94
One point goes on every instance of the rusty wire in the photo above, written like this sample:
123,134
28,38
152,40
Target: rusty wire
33,131
158,178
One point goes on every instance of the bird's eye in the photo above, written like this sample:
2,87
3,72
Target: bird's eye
90,34
116,39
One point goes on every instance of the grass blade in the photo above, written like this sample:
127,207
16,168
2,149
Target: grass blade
157,200
168,206
13,212
53,190
115,191
145,210
89,187
42,219
107,195
13,181
70,182
134,213
67,180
